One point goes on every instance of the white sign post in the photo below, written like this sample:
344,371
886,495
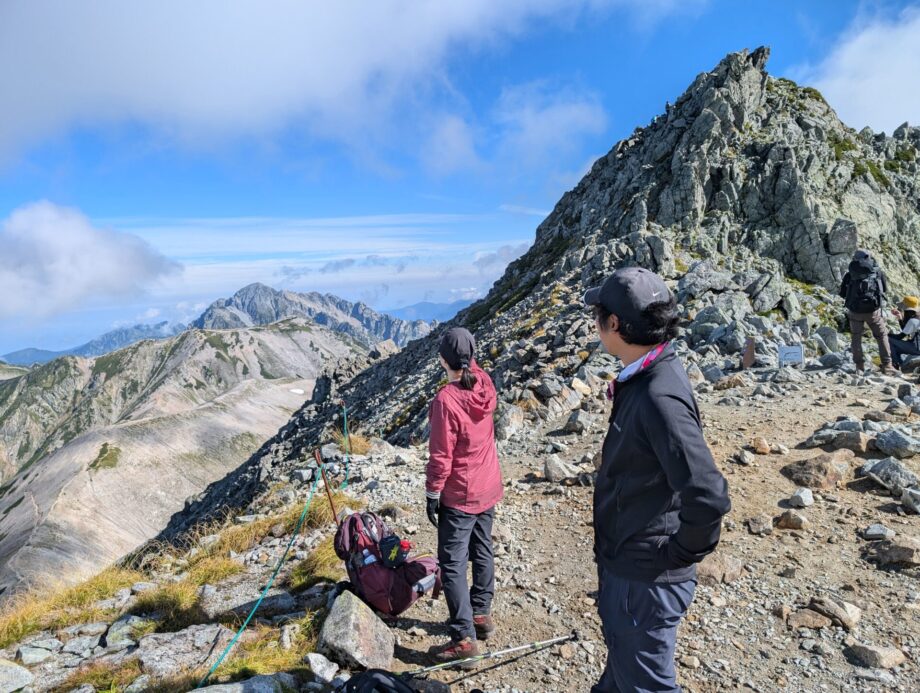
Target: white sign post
791,354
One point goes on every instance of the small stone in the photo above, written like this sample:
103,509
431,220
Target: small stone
556,471
321,668
760,446
823,472
791,520
806,618
690,662
878,531
896,443
141,587
902,550
744,457
30,656
802,498
877,657
82,646
841,613
567,652
717,568
761,525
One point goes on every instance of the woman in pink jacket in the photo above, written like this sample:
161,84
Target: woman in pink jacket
464,482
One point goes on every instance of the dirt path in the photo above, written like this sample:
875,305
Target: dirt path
730,639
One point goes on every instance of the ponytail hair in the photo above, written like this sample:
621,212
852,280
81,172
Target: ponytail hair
467,379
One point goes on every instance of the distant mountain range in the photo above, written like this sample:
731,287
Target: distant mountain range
110,341
258,304
442,312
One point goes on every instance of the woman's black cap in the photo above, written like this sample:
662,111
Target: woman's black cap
457,347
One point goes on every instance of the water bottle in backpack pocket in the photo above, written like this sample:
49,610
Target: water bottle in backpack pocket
379,567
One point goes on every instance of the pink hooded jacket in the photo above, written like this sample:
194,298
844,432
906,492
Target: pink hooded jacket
462,461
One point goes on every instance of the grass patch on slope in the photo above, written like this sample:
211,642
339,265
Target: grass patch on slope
322,565
46,609
107,458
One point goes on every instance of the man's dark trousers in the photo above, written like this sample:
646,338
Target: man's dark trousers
461,538
640,622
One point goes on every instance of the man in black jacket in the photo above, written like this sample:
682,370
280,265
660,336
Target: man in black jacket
659,498
864,290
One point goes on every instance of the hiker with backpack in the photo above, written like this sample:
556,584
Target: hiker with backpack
659,498
864,289
907,341
463,485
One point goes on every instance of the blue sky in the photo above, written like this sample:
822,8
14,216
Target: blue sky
156,156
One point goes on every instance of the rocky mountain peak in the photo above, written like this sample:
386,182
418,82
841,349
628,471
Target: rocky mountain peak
748,194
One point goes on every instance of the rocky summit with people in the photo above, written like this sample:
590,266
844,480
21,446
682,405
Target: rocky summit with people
795,563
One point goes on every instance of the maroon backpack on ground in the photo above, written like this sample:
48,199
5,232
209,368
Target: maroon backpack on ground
389,590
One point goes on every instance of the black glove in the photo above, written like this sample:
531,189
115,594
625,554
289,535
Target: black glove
431,507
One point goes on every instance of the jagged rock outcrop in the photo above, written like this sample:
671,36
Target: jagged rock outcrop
258,304
748,195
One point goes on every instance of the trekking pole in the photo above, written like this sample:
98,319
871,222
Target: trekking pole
322,470
492,655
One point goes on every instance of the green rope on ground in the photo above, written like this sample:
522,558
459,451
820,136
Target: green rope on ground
347,443
303,516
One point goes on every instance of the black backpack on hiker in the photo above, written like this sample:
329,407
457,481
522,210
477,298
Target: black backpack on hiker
864,293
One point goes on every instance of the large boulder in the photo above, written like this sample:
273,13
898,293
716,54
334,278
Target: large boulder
168,654
353,636
900,551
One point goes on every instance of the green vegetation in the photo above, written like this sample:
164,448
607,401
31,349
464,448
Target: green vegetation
814,94
878,174
107,458
859,169
51,609
103,676
109,364
841,146
906,154
322,565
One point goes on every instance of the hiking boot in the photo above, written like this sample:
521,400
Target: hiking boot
889,371
484,625
455,650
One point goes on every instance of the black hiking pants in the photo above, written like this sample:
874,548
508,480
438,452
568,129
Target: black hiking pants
462,538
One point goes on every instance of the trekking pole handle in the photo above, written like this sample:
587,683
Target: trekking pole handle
322,471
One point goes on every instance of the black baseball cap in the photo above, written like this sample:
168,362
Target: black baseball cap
457,347
629,291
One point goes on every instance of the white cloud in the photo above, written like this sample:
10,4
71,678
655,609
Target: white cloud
450,147
540,123
54,259
201,72
870,77
499,258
